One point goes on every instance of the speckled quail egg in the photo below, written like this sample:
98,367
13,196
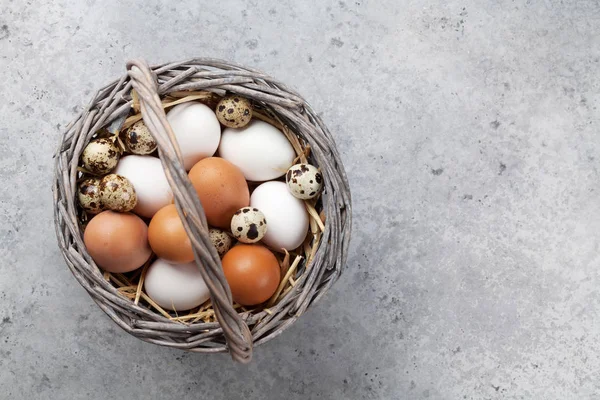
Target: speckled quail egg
138,139
100,156
304,181
234,111
88,195
221,240
248,225
117,193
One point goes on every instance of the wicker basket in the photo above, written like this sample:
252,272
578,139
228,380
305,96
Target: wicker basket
233,330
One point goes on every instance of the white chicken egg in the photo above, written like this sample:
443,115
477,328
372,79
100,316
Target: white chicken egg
148,178
175,287
197,130
259,150
286,215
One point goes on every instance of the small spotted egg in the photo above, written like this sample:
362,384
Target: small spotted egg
248,225
138,139
221,240
234,111
88,195
100,156
117,193
304,181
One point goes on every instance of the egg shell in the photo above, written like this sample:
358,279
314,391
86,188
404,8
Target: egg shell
138,139
234,111
259,150
304,181
221,188
197,130
148,178
167,236
175,287
252,272
286,215
88,194
100,156
117,193
118,242
248,225
221,240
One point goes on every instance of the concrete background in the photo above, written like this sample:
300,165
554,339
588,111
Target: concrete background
469,130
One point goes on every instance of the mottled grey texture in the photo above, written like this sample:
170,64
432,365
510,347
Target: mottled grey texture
470,134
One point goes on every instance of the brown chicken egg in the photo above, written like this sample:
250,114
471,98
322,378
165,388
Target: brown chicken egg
222,189
168,238
118,242
252,273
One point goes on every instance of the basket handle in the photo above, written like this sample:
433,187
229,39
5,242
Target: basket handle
236,331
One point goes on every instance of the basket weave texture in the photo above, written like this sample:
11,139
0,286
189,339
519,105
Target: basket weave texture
236,332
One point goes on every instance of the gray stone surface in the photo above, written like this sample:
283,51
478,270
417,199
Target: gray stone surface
469,130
